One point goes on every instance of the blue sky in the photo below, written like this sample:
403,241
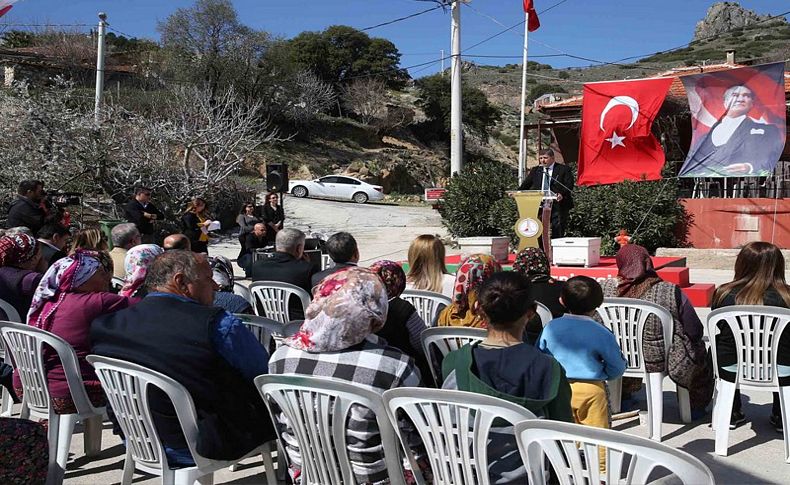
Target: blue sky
605,30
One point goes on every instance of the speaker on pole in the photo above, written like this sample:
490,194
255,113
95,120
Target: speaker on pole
277,177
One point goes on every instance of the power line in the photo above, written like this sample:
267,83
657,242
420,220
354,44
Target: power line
402,18
47,25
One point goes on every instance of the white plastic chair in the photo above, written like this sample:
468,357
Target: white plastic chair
116,283
317,410
544,313
243,292
127,386
572,450
445,340
756,330
267,330
272,298
626,318
25,343
427,303
12,315
455,428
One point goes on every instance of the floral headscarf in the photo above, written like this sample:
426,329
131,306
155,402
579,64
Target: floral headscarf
473,271
62,277
534,264
347,306
391,273
17,249
222,272
634,271
136,264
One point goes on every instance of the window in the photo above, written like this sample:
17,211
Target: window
329,180
347,181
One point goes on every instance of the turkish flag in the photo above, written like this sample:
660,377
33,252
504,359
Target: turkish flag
616,142
534,22
5,6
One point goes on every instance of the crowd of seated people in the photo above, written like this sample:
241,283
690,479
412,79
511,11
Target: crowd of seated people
175,315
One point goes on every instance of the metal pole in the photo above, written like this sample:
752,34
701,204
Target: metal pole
456,129
442,51
100,67
522,147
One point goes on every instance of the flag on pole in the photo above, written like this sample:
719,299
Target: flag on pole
534,22
5,6
616,142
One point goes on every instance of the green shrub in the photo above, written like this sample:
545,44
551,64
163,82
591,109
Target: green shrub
605,209
503,215
471,197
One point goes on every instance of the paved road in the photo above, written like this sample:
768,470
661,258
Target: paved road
381,230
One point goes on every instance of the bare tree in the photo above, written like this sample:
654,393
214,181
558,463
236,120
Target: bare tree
309,97
367,98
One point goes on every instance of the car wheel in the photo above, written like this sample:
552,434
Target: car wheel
360,197
299,191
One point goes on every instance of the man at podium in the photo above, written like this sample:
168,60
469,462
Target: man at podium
557,178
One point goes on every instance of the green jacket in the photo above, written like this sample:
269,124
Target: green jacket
556,407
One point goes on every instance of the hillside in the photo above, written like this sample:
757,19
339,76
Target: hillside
401,163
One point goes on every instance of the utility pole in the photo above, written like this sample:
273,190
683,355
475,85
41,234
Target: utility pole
100,67
442,57
522,145
456,128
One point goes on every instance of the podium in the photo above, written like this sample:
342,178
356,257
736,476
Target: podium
530,227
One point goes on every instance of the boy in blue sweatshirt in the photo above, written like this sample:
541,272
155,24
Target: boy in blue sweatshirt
587,351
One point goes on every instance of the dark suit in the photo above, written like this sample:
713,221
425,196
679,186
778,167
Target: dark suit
134,213
317,277
755,143
561,183
287,269
50,254
25,212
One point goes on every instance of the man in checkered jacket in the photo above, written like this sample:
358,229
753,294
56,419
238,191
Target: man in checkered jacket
336,341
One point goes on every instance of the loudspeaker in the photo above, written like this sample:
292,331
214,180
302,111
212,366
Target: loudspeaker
277,177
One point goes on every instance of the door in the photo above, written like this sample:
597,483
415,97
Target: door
324,186
346,187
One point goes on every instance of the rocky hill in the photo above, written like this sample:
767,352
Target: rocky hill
726,16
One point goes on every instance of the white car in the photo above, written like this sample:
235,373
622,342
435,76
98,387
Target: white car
336,187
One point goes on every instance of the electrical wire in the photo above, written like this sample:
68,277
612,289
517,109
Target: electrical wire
402,18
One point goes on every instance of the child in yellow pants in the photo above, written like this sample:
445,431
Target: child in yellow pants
587,351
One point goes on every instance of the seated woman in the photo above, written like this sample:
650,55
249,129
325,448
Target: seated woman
759,280
688,364
19,257
337,340
24,451
403,326
273,216
504,366
73,292
427,271
90,239
222,274
246,221
136,263
473,271
533,263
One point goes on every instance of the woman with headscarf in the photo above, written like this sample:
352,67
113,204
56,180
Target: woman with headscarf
687,364
222,274
474,270
19,257
533,263
403,326
338,340
73,292
136,263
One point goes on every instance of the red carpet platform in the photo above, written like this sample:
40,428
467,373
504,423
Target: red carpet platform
669,269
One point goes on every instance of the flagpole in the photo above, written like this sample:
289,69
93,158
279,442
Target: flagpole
522,149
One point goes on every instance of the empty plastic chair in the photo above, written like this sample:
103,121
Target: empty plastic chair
455,428
272,297
445,340
756,330
25,344
268,331
572,450
317,410
626,318
127,386
427,303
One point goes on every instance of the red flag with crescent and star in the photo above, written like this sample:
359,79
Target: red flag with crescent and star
534,22
616,142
